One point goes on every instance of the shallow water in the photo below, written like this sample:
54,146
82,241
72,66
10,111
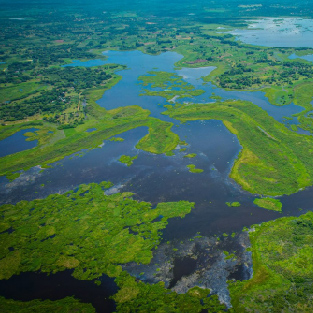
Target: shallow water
305,57
284,32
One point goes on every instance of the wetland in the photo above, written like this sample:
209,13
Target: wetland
158,168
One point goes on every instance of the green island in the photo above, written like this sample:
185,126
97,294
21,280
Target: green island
173,85
128,160
233,204
269,204
192,169
190,155
116,139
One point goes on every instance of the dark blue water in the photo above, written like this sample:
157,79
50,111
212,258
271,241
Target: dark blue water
90,130
29,286
17,142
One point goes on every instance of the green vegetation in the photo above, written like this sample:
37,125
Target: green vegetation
173,85
93,234
116,139
66,305
128,160
86,230
273,161
190,155
282,268
233,204
160,138
269,204
136,296
54,147
192,169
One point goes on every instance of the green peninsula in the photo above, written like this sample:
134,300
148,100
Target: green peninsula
282,268
273,161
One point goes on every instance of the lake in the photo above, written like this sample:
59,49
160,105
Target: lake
277,32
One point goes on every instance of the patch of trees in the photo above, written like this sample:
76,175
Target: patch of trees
46,56
47,102
78,77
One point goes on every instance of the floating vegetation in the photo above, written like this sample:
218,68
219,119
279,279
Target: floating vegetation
136,296
128,160
233,204
269,204
169,153
172,85
192,169
116,139
190,155
87,231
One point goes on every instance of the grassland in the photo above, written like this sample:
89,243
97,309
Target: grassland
273,160
16,92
